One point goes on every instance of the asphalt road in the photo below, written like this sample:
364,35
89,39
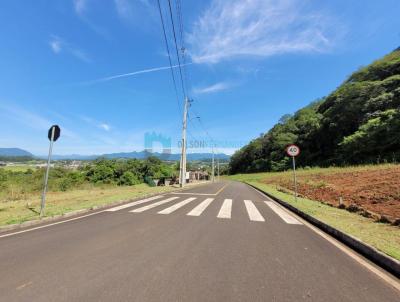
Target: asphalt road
217,242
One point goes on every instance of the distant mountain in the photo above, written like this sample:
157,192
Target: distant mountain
14,152
141,155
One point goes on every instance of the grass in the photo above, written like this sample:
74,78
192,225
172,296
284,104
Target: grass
58,203
384,237
18,168
310,171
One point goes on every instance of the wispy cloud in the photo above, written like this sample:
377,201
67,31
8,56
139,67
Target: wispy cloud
130,74
229,29
130,10
124,8
80,6
34,120
58,45
212,88
105,126
55,45
95,123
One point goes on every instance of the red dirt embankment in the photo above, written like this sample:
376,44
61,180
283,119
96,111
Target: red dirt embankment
376,189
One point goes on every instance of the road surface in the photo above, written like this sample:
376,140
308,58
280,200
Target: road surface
217,242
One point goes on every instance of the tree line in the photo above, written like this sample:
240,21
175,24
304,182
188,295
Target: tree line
358,123
122,172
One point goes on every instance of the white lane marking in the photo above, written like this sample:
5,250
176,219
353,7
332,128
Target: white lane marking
176,206
134,203
201,194
197,211
282,214
49,225
253,212
226,209
153,205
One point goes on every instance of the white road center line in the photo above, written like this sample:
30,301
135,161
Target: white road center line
197,211
226,209
282,214
134,203
176,206
153,205
253,212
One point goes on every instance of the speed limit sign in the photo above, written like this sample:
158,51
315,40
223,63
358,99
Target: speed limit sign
293,150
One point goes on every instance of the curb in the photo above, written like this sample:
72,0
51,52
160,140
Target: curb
12,227
384,261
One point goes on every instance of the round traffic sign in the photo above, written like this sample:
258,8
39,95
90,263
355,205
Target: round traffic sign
57,132
293,150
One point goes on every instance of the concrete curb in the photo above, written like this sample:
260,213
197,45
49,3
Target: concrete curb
386,262
12,227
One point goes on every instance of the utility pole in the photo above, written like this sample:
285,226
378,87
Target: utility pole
213,172
182,170
218,168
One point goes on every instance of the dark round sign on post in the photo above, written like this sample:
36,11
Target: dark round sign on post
57,132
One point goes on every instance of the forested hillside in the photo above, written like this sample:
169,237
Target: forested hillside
357,123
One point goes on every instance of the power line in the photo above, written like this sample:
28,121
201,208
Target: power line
169,57
183,49
176,47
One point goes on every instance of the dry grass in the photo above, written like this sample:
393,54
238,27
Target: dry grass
58,203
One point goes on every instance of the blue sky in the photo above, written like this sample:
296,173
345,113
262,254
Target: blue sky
250,63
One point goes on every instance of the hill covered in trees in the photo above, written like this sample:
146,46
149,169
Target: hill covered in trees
357,123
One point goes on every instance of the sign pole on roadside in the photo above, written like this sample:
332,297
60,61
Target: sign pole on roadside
293,151
53,135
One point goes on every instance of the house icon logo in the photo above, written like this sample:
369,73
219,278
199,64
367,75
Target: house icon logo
150,138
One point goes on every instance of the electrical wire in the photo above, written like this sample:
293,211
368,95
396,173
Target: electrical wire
169,58
176,48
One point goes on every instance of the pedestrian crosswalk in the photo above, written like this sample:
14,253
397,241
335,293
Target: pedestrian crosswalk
253,212
226,209
199,205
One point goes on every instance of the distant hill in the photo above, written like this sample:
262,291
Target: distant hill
141,155
15,152
357,123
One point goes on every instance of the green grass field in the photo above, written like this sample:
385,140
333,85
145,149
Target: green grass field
18,168
58,203
383,237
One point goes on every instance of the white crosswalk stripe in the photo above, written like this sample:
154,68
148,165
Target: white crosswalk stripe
197,211
289,219
252,211
176,206
153,205
226,209
132,204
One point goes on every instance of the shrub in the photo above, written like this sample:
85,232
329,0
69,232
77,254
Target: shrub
128,179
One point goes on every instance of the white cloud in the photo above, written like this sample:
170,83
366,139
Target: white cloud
124,75
131,12
105,126
212,88
229,29
58,45
55,45
80,6
34,121
124,8
95,123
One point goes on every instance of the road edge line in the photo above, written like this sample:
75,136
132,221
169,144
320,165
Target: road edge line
383,261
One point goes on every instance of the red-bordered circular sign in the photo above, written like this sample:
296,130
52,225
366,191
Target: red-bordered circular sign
293,150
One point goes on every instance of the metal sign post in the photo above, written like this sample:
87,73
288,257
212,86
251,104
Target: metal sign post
293,151
53,135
